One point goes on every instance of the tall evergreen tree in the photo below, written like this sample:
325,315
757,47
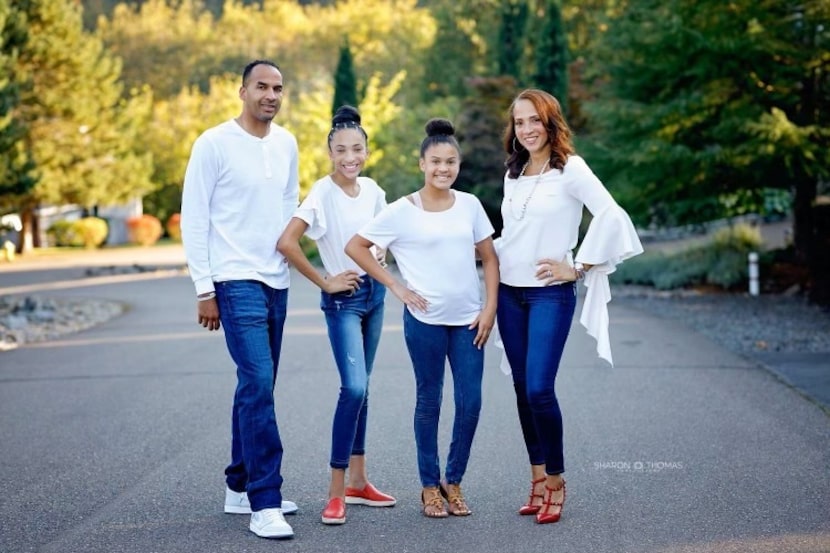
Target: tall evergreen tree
16,166
510,50
345,81
550,51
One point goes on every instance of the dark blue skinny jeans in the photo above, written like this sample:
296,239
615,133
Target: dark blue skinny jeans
429,348
534,323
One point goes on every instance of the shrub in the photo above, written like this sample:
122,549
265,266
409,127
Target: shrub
91,231
174,227
721,262
61,233
144,230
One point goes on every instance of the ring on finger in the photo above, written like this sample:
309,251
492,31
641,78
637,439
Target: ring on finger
550,273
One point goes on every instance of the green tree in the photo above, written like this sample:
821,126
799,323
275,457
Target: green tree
709,100
345,81
171,45
512,38
550,50
16,166
175,124
452,56
480,125
85,138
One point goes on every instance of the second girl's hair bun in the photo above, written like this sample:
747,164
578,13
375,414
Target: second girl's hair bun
345,115
435,127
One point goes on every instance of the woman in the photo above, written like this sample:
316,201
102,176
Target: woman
336,207
434,235
545,189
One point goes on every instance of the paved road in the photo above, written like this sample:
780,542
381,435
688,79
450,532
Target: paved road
114,440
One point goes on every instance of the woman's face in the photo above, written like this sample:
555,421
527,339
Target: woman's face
440,164
529,128
348,152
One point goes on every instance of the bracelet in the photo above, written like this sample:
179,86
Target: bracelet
579,272
207,296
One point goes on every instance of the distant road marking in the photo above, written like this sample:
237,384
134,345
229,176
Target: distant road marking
289,331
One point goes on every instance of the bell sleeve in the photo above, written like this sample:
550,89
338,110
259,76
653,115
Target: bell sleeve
610,239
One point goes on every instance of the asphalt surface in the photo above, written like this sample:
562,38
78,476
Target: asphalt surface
114,439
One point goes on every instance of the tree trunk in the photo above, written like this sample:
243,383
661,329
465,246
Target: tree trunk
803,225
819,260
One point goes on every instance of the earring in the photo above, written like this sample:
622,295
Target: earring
515,149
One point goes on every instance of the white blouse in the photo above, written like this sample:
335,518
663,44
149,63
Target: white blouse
541,220
333,217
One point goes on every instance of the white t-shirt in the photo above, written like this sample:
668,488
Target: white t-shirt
435,252
239,194
333,218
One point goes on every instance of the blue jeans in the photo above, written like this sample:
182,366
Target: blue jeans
354,324
429,347
534,325
253,316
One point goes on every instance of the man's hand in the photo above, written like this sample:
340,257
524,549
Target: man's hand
209,314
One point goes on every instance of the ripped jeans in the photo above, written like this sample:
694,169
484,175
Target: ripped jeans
354,324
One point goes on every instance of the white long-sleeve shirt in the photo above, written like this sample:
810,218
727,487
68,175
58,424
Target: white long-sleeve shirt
550,229
239,194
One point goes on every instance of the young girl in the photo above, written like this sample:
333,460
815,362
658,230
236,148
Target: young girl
337,206
434,235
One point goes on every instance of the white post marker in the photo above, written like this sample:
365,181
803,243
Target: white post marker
754,287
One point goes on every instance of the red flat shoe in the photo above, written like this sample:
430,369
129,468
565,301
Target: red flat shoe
545,516
529,508
370,496
335,511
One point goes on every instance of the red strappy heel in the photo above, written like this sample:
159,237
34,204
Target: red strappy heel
529,508
544,516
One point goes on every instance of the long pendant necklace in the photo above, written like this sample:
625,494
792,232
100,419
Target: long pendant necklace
532,190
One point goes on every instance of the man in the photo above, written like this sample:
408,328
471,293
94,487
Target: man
240,189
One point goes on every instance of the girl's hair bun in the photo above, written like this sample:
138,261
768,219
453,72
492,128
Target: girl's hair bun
436,127
345,115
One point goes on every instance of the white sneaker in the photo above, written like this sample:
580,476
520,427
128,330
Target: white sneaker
236,503
269,523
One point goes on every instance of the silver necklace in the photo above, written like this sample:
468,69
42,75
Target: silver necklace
532,190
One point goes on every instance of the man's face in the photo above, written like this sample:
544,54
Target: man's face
262,93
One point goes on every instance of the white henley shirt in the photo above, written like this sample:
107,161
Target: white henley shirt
239,194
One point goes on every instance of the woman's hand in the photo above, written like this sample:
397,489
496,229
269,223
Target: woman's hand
550,271
347,281
409,298
485,321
